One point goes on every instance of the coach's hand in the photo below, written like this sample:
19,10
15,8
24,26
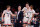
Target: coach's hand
20,21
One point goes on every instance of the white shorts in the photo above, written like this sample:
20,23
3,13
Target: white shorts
7,21
26,20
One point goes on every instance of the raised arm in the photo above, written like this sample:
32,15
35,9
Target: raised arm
36,13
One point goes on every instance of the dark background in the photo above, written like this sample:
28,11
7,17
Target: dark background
15,3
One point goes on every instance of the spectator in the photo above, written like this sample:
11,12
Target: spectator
36,23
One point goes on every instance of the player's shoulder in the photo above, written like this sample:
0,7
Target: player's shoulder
4,10
33,10
10,10
24,7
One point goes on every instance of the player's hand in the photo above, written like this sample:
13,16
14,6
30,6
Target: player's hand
37,13
2,20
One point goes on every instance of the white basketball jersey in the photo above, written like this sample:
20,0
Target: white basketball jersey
7,13
24,9
29,13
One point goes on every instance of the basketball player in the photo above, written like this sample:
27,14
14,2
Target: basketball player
8,14
27,17
31,14
25,8
31,6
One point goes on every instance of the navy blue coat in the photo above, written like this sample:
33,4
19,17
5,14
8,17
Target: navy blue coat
20,16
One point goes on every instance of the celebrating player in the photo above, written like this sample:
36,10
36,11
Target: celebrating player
27,14
31,6
7,13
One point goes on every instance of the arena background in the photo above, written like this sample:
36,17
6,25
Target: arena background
15,3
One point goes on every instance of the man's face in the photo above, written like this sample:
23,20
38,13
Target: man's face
31,7
19,7
8,8
27,5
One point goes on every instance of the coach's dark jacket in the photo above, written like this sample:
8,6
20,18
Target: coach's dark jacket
20,16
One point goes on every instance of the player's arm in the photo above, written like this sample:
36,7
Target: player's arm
23,9
32,16
36,13
13,14
3,15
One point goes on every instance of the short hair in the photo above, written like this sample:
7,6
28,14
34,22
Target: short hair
31,5
19,5
8,6
27,3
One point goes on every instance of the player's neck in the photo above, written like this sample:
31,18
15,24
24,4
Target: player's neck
7,10
28,8
32,9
